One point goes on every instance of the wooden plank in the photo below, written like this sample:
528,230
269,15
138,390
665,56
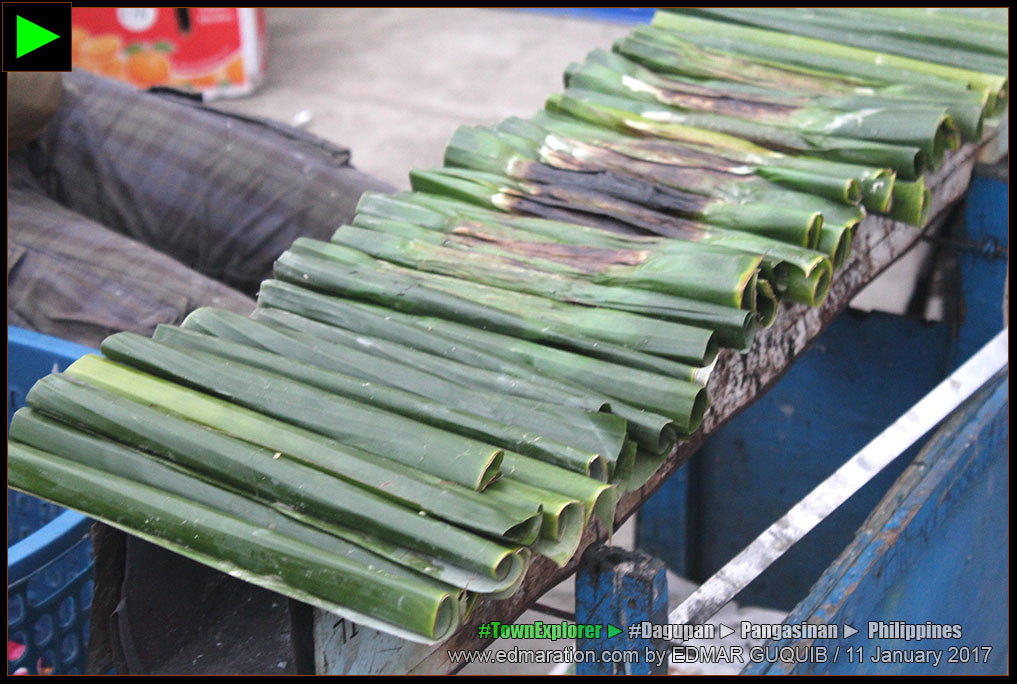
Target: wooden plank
737,381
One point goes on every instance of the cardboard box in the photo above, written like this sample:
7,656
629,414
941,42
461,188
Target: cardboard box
217,51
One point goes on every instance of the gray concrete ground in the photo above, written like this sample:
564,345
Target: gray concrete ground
393,84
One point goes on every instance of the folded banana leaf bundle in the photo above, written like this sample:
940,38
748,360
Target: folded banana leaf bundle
472,373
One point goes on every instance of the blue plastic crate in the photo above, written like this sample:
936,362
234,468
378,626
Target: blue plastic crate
49,560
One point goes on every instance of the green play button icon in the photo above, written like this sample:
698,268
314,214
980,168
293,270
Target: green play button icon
612,631
31,36
37,36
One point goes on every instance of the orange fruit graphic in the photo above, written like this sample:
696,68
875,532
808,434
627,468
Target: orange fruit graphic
99,48
78,37
145,68
113,68
98,54
234,71
208,80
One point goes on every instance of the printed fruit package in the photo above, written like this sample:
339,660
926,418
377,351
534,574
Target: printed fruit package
217,51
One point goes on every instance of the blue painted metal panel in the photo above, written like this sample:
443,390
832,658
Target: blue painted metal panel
933,552
621,15
666,523
982,271
621,588
859,374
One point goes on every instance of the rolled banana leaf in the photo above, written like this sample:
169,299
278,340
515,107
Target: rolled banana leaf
418,610
577,146
596,430
563,520
690,149
483,150
909,34
649,261
733,327
756,204
718,276
597,498
47,434
909,161
677,57
363,504
550,201
501,429
621,216
504,580
473,368
911,203
336,270
928,127
684,405
437,452
794,91
681,401
654,433
387,477
865,66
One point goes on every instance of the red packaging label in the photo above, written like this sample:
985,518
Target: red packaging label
210,49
